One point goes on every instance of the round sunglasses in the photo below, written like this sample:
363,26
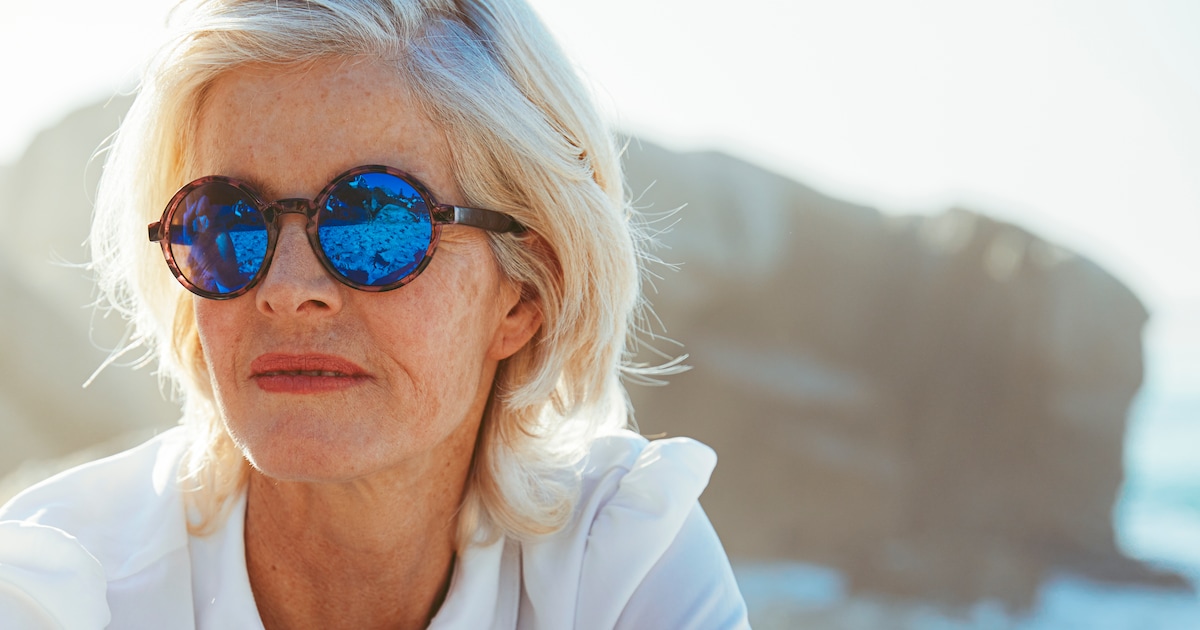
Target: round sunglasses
374,228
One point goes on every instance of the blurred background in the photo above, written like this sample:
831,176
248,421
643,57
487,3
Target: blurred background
938,283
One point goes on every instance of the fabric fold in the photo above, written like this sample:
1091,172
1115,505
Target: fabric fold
48,580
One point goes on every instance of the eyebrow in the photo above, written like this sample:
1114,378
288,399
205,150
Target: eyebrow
257,184
268,193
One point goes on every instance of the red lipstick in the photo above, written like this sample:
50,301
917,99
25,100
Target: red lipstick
304,373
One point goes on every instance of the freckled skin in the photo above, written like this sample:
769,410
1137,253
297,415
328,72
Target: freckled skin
353,491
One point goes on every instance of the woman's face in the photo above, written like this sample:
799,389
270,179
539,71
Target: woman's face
317,381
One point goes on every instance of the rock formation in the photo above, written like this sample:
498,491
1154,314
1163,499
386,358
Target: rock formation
935,405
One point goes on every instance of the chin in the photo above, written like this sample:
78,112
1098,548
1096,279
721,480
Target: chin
291,454
293,469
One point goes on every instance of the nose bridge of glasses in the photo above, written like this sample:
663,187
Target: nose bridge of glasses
297,205
274,212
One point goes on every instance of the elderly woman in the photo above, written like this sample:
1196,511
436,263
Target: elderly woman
410,273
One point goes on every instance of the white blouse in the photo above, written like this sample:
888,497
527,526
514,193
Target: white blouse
106,545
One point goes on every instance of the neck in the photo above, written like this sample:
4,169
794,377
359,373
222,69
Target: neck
367,553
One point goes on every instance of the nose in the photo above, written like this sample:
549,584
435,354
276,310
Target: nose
296,282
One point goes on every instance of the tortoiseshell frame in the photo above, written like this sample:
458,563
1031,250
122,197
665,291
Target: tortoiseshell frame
440,214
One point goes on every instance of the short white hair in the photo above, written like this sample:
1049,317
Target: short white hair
525,138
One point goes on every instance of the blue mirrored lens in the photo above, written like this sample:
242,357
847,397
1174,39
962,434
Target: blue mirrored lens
218,238
375,229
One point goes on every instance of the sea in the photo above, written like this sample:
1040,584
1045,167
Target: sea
1156,517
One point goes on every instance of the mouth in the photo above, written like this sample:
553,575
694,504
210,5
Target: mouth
301,373
304,373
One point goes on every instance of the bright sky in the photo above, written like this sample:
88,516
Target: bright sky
1079,119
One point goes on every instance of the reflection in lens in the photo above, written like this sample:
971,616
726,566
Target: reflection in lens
375,229
219,239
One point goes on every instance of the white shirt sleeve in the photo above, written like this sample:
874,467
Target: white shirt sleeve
691,585
103,545
641,553
48,580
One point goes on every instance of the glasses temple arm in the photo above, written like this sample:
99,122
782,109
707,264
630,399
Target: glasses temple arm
156,231
489,220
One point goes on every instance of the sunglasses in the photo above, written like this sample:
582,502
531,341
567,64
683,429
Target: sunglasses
374,228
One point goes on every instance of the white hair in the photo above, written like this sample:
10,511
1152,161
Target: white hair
525,139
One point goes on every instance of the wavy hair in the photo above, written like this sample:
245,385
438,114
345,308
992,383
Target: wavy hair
525,138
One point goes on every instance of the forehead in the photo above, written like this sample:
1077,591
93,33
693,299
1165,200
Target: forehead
291,129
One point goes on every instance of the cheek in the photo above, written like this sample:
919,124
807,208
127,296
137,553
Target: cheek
218,331
423,330
442,329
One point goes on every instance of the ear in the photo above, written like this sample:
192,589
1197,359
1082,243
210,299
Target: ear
517,327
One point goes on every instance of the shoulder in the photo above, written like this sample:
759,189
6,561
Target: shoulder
632,485
115,506
99,524
627,460
639,542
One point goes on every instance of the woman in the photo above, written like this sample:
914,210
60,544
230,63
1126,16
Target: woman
409,272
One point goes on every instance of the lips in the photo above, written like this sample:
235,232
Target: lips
304,373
